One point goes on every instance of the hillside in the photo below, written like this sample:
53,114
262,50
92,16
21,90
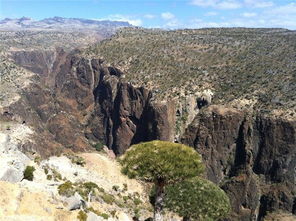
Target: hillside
252,68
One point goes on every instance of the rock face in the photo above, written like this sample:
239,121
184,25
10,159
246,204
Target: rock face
81,101
13,161
252,158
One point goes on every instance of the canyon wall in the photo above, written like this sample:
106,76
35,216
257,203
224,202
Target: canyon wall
253,158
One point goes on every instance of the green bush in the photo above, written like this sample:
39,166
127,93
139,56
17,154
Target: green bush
76,160
85,188
124,187
29,173
66,189
45,170
115,188
137,201
99,146
197,199
108,198
104,215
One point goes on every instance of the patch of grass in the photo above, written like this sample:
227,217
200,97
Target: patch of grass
108,198
76,160
137,201
82,216
104,215
56,175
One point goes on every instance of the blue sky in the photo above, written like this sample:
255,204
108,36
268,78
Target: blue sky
169,14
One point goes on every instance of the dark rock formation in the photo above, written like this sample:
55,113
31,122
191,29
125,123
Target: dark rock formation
125,115
76,102
252,158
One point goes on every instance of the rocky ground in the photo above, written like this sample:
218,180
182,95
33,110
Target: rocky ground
113,196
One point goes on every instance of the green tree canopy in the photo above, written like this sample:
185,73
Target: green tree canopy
197,199
162,163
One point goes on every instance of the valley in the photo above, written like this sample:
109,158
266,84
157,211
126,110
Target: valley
228,93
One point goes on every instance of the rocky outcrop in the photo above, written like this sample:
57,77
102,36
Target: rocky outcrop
253,158
125,115
13,161
75,102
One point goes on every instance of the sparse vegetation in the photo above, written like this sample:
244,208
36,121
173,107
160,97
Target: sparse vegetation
76,159
108,198
235,63
82,216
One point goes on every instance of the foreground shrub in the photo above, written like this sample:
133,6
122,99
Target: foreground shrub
161,163
197,199
29,173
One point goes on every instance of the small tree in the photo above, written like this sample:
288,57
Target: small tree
162,163
197,199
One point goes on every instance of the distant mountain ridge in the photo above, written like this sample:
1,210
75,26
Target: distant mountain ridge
60,24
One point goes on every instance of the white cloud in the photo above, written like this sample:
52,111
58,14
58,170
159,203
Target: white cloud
228,5
211,13
289,9
224,4
130,19
249,14
167,15
258,3
150,16
232,4
283,16
204,3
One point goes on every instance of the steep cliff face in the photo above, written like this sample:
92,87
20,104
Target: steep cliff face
124,115
75,102
252,158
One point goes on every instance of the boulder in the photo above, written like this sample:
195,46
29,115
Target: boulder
11,175
93,217
75,202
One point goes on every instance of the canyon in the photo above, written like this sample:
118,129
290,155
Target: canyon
74,102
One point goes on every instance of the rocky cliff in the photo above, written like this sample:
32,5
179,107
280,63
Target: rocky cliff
251,156
79,102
